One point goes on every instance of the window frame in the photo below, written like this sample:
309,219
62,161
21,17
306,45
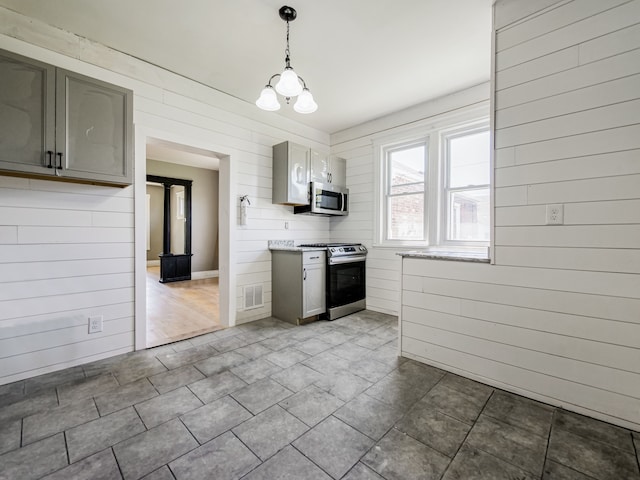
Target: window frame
433,135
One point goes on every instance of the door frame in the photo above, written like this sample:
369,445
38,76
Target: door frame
227,220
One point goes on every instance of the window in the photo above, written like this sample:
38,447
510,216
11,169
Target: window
434,189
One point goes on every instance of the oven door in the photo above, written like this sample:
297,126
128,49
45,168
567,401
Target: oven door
345,281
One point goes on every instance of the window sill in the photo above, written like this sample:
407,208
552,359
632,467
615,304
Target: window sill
478,257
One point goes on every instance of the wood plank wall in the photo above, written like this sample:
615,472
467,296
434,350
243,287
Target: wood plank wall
557,317
67,250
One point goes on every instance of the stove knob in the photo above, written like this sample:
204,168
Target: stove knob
341,249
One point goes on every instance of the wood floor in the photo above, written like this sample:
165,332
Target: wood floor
180,310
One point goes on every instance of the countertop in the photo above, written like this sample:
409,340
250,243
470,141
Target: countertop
454,256
289,246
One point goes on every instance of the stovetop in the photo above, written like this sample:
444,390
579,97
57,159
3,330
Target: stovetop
339,249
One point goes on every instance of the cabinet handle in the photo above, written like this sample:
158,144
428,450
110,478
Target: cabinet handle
304,273
330,178
59,166
49,153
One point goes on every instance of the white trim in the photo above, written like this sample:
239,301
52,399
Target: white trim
204,274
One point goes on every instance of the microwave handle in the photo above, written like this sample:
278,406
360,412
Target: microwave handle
342,202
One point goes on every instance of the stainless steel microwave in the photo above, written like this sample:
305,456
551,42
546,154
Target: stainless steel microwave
325,199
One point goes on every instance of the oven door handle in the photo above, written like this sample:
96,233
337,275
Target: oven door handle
343,260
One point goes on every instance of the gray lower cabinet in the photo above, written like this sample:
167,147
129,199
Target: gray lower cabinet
298,285
62,125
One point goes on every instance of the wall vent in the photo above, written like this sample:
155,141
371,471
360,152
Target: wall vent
253,297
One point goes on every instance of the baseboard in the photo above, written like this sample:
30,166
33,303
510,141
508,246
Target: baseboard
205,274
153,263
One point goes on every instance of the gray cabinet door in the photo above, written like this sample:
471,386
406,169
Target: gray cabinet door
94,129
27,114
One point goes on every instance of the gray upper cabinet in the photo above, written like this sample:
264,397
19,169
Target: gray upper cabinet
60,124
290,174
328,169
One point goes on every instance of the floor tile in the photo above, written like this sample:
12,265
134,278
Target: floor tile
187,357
148,451
454,403
137,369
369,416
474,464
270,431
470,388
161,474
51,380
278,342
369,369
349,351
101,466
327,363
520,412
388,354
335,337
369,341
287,357
216,386
556,471
591,457
220,363
167,381
288,464
396,393
311,405
50,422
215,418
229,343
223,458
165,407
297,377
253,351
398,457
344,385
10,432
104,432
125,396
35,460
87,388
11,393
313,346
28,406
435,429
594,429
255,370
261,395
361,472
334,446
515,445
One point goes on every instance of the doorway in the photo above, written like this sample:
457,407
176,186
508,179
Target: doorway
182,287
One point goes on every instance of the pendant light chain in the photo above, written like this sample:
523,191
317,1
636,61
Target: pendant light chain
290,84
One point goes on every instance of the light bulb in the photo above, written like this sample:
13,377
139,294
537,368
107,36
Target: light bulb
305,102
268,99
289,86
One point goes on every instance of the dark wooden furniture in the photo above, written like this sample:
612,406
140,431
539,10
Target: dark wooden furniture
174,266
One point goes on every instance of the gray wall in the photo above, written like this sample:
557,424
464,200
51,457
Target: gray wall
204,224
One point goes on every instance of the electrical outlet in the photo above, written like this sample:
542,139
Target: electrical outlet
555,214
95,324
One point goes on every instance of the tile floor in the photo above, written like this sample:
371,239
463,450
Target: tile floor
267,401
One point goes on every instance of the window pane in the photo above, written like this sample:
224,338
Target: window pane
407,165
406,218
469,160
469,215
408,188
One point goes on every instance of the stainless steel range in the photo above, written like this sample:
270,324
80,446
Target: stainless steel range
346,273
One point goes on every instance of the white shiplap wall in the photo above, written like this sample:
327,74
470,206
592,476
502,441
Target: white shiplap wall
557,317
67,250
357,146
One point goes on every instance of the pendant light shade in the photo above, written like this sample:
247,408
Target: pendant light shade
268,99
290,84
305,103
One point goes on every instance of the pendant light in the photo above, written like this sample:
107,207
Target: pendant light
290,84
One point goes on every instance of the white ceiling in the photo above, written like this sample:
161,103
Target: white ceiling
361,59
